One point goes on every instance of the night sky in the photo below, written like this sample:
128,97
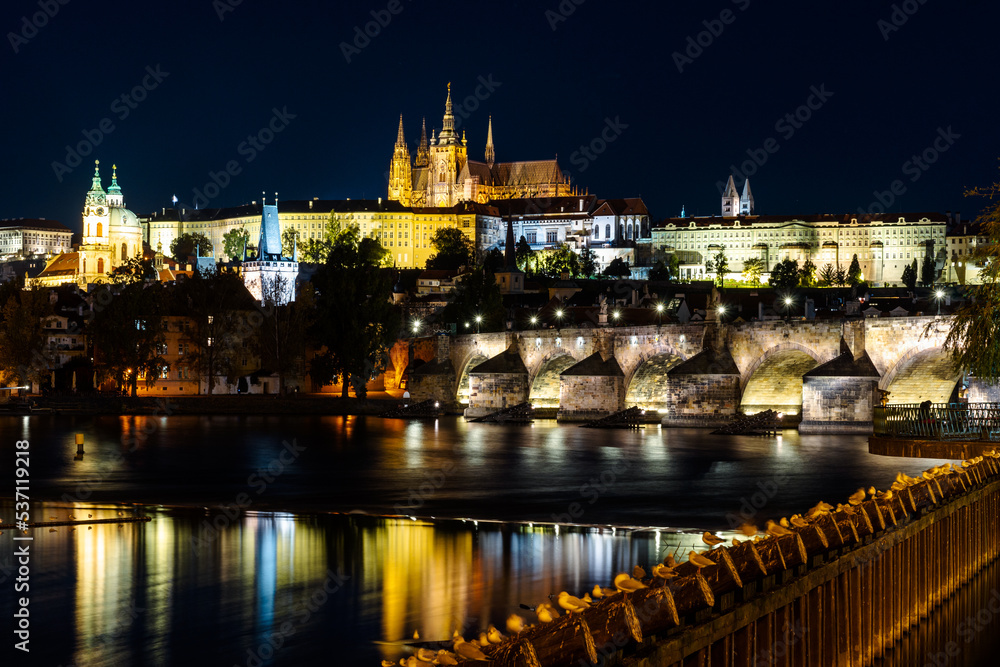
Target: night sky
557,76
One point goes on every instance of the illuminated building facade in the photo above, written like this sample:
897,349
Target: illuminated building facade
442,175
111,236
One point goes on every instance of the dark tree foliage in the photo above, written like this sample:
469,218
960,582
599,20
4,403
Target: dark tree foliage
127,332
588,263
928,270
719,265
494,260
355,320
23,357
618,268
785,275
476,295
910,275
827,275
186,245
453,249
807,274
976,326
524,255
854,272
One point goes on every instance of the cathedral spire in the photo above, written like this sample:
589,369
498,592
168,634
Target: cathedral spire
400,138
423,153
448,135
490,154
746,199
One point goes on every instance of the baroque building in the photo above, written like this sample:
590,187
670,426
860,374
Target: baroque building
111,236
442,175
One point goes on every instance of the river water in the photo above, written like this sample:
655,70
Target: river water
269,541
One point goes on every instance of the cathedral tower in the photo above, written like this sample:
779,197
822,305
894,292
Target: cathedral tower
422,150
490,154
400,179
746,199
730,200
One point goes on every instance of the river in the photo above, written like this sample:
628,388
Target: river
269,542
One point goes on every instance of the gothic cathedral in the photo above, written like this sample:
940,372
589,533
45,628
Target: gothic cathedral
442,174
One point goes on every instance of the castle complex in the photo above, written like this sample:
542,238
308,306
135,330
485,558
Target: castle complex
443,175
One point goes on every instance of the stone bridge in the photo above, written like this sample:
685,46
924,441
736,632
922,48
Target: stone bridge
703,373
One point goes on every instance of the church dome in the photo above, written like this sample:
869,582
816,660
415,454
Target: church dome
122,217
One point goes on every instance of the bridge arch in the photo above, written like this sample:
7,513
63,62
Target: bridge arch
774,380
544,379
646,385
922,373
462,387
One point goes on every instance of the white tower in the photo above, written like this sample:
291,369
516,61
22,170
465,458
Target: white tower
746,199
269,277
730,200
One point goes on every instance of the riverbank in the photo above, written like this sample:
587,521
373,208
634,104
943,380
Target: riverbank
251,404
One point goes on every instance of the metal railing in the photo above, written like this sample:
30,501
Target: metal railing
939,421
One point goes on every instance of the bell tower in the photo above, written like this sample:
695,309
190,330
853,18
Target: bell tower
96,216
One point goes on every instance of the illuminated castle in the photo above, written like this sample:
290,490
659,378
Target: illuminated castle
442,174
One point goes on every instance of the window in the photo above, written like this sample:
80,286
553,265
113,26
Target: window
551,236
607,231
531,237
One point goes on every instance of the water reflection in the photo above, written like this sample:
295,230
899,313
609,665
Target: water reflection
286,589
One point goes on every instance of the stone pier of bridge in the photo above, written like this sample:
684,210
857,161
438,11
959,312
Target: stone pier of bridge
825,373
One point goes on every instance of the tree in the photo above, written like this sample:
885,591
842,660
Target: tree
719,265
281,335
225,319
453,249
234,241
494,260
928,270
127,332
188,244
618,268
355,320
290,241
477,295
807,274
316,250
785,275
753,268
588,263
133,270
23,358
560,260
827,275
524,255
910,275
976,325
854,272
659,272
840,277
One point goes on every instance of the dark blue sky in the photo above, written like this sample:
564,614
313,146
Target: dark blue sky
891,90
